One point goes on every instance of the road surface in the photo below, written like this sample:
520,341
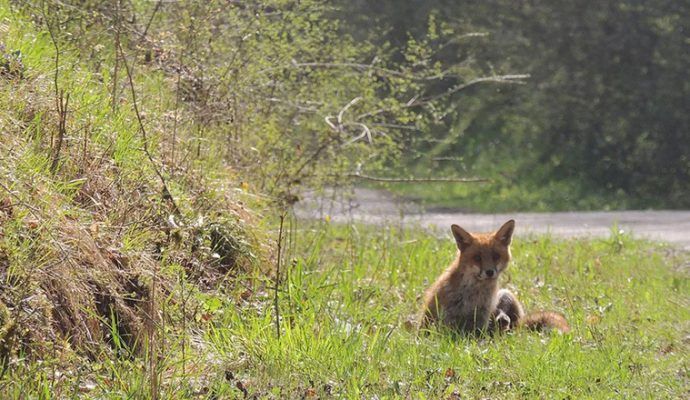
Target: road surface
380,207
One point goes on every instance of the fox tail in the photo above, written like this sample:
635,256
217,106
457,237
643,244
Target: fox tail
546,320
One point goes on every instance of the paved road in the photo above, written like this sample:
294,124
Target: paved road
378,207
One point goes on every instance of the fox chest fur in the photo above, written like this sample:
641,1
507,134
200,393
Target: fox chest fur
465,295
461,301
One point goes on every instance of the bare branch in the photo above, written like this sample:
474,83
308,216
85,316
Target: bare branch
418,102
365,133
340,127
300,107
166,192
350,104
514,79
62,104
276,305
409,180
368,67
153,14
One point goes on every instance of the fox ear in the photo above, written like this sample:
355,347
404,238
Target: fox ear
463,238
505,233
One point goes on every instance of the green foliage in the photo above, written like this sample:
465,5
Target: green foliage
603,111
281,92
271,89
611,103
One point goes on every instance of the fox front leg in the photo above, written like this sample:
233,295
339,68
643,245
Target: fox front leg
508,312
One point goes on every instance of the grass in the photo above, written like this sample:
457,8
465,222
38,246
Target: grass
349,293
503,195
98,272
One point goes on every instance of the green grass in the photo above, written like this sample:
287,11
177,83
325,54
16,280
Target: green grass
501,195
349,291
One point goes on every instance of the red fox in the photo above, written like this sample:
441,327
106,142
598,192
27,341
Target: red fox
466,296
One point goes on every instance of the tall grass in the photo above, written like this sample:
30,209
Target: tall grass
94,261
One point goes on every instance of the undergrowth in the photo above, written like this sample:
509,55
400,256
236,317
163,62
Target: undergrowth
105,244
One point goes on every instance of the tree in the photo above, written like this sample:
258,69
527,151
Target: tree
605,104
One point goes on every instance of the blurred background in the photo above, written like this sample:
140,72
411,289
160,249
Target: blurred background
601,122
541,106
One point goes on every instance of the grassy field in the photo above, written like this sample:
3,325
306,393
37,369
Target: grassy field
500,195
345,300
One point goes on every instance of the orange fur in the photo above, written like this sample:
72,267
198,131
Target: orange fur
544,320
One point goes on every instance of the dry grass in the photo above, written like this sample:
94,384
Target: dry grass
95,259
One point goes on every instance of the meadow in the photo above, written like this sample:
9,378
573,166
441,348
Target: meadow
346,301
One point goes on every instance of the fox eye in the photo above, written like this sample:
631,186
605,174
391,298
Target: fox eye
478,258
496,256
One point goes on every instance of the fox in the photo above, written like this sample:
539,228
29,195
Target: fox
466,297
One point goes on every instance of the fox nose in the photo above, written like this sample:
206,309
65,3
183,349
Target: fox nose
490,273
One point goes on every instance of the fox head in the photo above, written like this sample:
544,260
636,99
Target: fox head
484,255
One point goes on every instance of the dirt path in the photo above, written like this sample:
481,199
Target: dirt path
379,207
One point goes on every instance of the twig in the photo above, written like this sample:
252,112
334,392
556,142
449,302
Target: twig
116,68
366,132
277,279
176,115
62,102
153,14
514,79
337,128
300,107
314,156
183,279
57,49
347,106
409,180
364,67
166,193
152,344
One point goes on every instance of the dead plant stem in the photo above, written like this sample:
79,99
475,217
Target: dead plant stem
408,180
166,192
116,68
276,306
